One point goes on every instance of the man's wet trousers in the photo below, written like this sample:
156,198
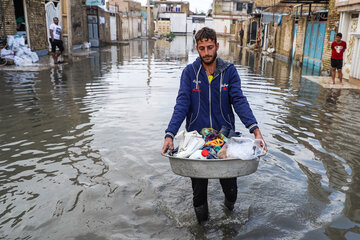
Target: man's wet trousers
199,186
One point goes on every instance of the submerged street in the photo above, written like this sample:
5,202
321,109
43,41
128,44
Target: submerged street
80,151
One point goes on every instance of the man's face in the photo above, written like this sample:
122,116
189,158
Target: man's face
338,38
207,50
56,21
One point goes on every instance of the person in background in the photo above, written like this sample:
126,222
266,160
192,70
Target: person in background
209,91
338,48
55,39
241,33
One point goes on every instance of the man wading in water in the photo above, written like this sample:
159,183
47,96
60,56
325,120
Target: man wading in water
209,88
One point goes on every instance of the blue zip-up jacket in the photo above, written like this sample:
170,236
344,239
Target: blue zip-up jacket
209,105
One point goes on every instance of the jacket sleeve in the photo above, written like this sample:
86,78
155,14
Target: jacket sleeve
182,105
239,101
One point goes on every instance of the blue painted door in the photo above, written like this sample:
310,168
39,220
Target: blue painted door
313,47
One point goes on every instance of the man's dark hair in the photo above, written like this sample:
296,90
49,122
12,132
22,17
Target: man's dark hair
206,33
339,35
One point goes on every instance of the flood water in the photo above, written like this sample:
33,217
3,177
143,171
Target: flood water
80,151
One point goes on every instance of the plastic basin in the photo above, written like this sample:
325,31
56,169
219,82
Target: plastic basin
213,168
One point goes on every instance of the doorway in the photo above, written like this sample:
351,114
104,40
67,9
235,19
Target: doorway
20,17
52,9
93,30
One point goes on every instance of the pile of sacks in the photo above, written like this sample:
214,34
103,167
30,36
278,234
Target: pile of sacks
18,51
211,144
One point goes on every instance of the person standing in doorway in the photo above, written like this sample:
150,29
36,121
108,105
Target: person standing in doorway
55,39
210,89
241,33
338,48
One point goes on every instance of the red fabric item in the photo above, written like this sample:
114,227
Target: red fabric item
338,49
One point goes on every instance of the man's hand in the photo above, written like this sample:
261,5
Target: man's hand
168,143
258,135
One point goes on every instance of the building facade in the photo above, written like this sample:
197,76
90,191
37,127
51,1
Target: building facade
225,13
173,12
131,18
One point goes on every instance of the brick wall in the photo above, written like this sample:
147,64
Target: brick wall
37,31
300,39
7,21
333,17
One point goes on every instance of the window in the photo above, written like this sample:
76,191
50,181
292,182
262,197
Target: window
250,8
239,7
226,7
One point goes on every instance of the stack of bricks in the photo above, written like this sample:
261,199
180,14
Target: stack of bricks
333,17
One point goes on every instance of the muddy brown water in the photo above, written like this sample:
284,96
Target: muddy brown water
80,151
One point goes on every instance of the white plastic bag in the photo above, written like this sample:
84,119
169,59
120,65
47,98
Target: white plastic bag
10,41
20,53
86,45
18,61
189,142
34,57
5,52
244,148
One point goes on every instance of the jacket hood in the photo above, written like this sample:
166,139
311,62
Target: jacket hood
221,65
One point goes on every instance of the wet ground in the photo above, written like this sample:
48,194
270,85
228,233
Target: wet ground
80,151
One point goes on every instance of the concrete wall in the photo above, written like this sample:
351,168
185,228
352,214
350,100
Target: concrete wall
119,27
222,26
347,5
104,29
190,26
300,39
125,28
78,23
284,38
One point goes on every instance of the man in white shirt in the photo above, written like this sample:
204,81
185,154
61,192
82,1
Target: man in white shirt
55,39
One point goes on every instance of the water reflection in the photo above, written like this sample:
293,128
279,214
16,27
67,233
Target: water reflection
79,146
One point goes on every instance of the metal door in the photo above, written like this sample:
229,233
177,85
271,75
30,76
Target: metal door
93,30
112,28
313,49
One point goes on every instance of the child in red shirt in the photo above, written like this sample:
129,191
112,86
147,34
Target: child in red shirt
338,48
